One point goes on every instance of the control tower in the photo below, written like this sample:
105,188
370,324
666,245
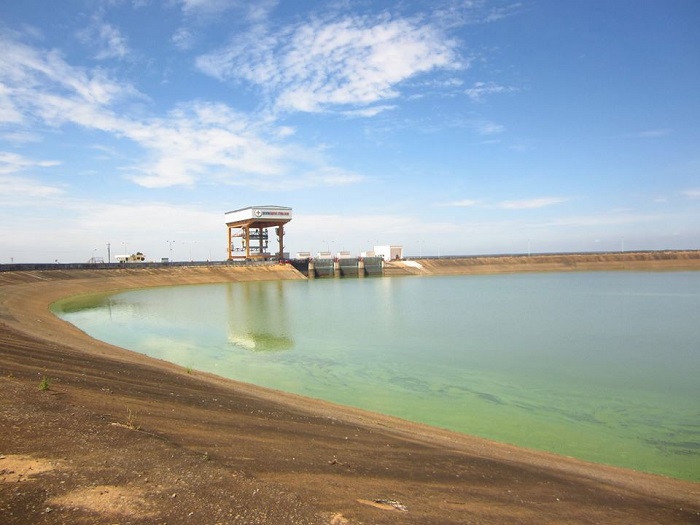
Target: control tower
248,231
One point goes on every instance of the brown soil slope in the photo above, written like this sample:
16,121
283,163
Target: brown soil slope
121,438
643,261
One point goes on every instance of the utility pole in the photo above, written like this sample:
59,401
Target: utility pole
171,250
109,253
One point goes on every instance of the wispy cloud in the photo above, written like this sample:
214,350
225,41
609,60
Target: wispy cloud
486,127
464,203
16,191
499,12
19,184
40,84
480,90
371,111
20,136
195,141
325,64
528,204
206,6
183,38
524,204
692,193
254,11
105,40
13,163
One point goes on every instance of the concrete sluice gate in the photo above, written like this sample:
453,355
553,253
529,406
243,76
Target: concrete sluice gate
322,268
373,266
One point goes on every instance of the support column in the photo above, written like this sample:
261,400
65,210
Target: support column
336,268
230,245
280,239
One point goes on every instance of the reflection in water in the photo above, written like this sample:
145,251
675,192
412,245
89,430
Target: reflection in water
257,317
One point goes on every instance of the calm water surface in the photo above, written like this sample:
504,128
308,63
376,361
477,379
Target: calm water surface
600,366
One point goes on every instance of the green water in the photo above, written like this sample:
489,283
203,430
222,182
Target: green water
600,366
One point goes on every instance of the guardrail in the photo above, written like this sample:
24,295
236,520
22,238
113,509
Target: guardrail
29,267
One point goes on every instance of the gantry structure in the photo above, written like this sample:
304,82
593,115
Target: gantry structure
248,231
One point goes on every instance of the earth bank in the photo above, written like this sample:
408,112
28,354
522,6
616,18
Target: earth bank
97,434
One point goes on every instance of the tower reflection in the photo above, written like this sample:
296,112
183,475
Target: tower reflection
257,317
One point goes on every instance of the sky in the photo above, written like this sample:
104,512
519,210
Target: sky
449,127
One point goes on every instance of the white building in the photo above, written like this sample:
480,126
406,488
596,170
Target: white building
389,253
134,257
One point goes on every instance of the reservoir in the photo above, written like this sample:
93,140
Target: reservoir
602,366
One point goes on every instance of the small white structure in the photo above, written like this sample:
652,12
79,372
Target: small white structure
134,257
389,253
344,255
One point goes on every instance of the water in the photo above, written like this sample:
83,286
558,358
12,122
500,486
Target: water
600,366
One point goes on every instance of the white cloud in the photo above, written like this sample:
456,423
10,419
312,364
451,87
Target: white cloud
210,6
486,127
497,13
210,140
183,39
320,65
41,84
529,204
13,163
20,137
481,89
525,204
254,11
105,40
692,193
22,192
9,113
195,141
464,203
371,111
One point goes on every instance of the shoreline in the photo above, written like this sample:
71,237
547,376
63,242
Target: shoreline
337,480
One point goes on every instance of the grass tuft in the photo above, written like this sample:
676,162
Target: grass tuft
44,384
131,420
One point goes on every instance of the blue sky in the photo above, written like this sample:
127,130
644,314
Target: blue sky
446,126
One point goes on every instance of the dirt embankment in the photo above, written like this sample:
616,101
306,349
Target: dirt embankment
95,434
630,261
